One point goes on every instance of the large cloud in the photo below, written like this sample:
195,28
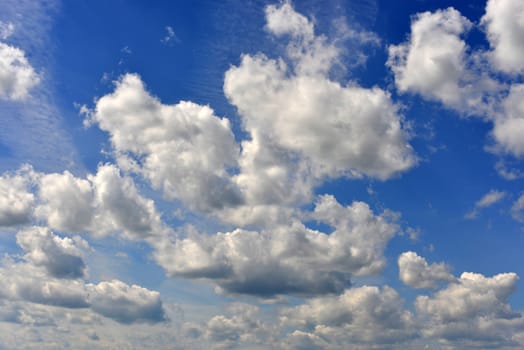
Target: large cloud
435,62
366,317
183,149
472,312
415,271
17,76
338,130
505,28
286,259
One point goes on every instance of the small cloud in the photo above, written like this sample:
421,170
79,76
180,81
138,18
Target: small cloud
516,209
489,199
6,30
170,37
126,50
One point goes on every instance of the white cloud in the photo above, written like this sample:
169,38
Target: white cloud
17,76
16,200
103,203
415,271
509,126
61,257
435,63
504,28
472,312
366,317
183,149
489,199
288,259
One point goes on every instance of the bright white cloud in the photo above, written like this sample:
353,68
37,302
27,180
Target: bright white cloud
489,199
415,271
17,76
472,312
509,126
434,62
101,204
183,149
286,259
505,30
365,317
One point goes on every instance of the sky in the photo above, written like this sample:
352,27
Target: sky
344,174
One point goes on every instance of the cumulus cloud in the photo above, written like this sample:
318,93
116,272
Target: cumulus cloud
509,125
61,257
125,303
6,29
302,127
489,199
504,27
336,129
415,271
286,259
366,317
17,76
101,204
436,63
183,149
472,312
16,199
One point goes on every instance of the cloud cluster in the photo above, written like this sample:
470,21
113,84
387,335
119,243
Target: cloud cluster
437,63
473,312
366,317
287,259
100,204
53,273
302,127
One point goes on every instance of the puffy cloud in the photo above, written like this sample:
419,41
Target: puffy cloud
366,317
66,202
415,271
434,62
100,204
505,28
16,200
61,257
509,125
338,130
489,199
472,312
125,303
17,76
183,149
286,259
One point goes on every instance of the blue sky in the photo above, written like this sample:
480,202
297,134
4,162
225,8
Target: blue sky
261,175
